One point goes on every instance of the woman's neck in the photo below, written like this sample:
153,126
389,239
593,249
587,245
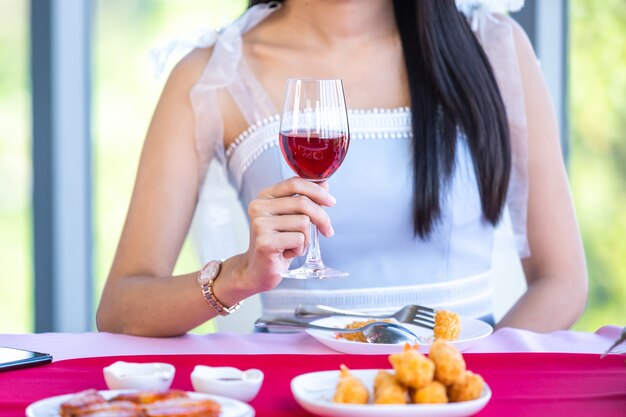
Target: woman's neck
329,21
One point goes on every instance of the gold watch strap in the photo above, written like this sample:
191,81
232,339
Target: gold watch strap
209,294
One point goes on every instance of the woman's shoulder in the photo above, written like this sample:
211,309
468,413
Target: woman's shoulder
216,53
208,60
188,70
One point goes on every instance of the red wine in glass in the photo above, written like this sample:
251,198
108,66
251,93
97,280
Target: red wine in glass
312,156
314,139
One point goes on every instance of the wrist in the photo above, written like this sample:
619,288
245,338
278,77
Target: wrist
230,287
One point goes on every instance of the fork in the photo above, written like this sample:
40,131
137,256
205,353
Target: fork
376,332
412,314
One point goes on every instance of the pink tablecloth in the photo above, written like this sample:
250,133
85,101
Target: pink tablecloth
523,384
73,345
596,387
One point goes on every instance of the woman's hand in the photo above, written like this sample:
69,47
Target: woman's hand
280,220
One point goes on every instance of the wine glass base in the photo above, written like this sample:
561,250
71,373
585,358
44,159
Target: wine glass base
305,272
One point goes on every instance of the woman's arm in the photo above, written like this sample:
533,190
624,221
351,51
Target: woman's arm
140,296
555,272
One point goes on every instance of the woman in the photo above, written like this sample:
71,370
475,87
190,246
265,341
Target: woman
435,163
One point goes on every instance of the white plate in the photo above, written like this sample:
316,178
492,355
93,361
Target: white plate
472,330
314,392
49,407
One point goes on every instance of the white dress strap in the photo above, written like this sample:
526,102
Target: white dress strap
495,33
251,98
223,71
213,226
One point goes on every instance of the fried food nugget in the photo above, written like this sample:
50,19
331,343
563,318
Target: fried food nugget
449,363
388,390
359,336
412,368
469,389
433,393
350,389
447,325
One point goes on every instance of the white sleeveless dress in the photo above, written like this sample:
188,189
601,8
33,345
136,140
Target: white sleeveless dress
389,267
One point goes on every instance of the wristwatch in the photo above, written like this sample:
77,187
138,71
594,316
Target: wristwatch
206,278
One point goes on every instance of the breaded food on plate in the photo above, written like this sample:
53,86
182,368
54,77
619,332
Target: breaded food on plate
350,389
449,363
412,368
447,325
433,393
359,336
469,389
388,390
438,379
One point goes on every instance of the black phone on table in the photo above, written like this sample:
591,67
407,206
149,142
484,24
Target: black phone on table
11,358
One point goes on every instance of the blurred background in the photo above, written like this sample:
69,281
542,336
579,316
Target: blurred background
584,60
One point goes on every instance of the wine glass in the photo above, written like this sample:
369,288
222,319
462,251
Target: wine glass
314,139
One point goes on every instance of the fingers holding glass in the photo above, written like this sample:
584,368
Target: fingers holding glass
281,218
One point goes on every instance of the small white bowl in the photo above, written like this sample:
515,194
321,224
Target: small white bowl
227,381
144,376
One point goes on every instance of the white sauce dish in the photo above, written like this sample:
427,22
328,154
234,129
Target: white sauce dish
143,376
227,381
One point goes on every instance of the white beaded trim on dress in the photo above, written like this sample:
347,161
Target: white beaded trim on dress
365,124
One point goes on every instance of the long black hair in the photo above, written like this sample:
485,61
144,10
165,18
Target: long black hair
453,89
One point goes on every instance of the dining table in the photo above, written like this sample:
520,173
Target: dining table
561,373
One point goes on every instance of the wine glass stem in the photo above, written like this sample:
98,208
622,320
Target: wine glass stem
313,256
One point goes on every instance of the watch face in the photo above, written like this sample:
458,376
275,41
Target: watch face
209,272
